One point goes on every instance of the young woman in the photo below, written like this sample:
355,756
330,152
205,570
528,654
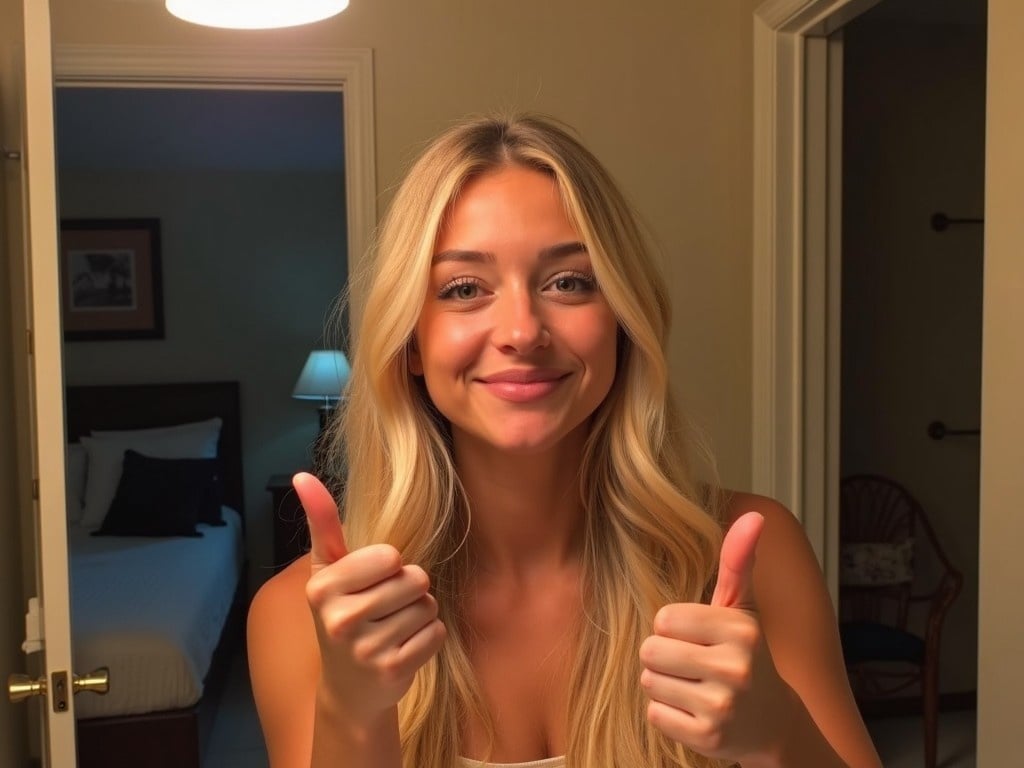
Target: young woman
530,573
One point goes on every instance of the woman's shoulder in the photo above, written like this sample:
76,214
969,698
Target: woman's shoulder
733,504
783,541
283,594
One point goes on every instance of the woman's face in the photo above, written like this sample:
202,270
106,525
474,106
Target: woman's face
516,343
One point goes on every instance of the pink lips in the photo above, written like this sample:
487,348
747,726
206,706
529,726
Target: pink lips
523,385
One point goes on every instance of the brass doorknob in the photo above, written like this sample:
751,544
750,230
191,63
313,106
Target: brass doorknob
97,681
21,687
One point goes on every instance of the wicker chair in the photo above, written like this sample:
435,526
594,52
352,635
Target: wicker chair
883,530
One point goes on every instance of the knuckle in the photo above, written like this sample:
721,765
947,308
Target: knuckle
664,619
385,557
647,680
340,622
648,651
417,577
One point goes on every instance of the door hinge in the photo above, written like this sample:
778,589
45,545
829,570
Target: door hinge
35,489
29,341
33,628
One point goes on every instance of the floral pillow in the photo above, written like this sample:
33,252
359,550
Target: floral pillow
876,563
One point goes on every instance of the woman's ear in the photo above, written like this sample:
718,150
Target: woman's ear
415,362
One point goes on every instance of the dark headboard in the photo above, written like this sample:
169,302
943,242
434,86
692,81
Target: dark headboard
139,406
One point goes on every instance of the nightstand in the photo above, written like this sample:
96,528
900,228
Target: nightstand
291,536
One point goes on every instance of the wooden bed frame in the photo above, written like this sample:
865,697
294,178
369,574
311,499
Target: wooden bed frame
174,738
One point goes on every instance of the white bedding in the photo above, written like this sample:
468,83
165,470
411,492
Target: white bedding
151,610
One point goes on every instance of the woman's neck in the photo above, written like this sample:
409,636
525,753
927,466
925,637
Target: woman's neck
527,515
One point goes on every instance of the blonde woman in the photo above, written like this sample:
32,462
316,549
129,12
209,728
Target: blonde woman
529,572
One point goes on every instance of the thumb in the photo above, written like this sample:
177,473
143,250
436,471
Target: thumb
325,532
735,585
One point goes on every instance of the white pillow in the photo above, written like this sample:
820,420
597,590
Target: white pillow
106,459
210,426
74,482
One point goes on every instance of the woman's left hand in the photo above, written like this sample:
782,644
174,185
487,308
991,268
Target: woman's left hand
708,672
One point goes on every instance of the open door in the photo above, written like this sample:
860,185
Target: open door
45,680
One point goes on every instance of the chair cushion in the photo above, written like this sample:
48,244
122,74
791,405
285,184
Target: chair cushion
865,641
876,563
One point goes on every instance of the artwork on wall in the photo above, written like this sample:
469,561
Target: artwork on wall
110,279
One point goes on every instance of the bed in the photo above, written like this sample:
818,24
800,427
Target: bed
165,613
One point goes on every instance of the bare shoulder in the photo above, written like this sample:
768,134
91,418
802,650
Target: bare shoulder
799,624
737,503
284,664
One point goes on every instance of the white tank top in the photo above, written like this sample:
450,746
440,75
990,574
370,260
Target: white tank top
551,762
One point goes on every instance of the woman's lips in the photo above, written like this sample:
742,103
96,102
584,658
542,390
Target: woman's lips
523,386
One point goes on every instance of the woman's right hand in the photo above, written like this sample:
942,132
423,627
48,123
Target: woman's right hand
376,622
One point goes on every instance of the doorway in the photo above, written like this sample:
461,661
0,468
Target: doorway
912,255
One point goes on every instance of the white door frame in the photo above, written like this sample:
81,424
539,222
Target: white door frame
797,116
347,70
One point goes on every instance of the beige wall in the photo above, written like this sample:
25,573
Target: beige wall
914,128
1000,671
662,95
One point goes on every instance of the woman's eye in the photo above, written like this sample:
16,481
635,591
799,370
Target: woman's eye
464,290
573,283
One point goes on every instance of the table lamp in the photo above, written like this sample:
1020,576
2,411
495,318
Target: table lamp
323,379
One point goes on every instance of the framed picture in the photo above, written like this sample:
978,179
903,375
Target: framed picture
110,279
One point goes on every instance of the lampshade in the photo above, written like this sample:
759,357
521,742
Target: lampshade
254,14
323,376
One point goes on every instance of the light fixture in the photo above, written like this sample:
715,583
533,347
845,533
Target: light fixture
322,379
254,14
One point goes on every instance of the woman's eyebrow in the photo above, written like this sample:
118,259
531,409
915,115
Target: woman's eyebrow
562,249
465,255
458,254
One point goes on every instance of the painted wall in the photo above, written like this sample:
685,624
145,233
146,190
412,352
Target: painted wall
914,137
663,96
252,262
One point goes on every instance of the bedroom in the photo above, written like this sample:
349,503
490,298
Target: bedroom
698,201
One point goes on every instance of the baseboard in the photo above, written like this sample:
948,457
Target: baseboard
903,706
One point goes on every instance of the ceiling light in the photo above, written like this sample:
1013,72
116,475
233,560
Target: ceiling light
255,14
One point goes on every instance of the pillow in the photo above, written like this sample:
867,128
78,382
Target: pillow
158,497
876,563
74,480
106,455
209,426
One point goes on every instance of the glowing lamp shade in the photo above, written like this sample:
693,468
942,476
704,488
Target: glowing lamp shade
254,14
323,378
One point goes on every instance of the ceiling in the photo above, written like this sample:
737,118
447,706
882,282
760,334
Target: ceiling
198,129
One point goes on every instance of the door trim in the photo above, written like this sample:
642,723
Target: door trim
347,70
792,243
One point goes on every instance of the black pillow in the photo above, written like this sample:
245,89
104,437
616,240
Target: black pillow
213,497
160,497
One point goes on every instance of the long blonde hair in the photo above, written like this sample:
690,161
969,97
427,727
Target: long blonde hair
650,537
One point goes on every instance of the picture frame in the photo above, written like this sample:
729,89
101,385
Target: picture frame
111,282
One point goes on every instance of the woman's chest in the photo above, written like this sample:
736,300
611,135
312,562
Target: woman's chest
522,659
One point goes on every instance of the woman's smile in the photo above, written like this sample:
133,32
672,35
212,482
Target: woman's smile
523,385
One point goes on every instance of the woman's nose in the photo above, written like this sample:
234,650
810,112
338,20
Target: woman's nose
519,325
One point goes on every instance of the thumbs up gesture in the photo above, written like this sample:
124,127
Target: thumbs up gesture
376,621
707,671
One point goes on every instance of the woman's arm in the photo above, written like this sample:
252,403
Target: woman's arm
334,642
799,626
757,676
284,666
